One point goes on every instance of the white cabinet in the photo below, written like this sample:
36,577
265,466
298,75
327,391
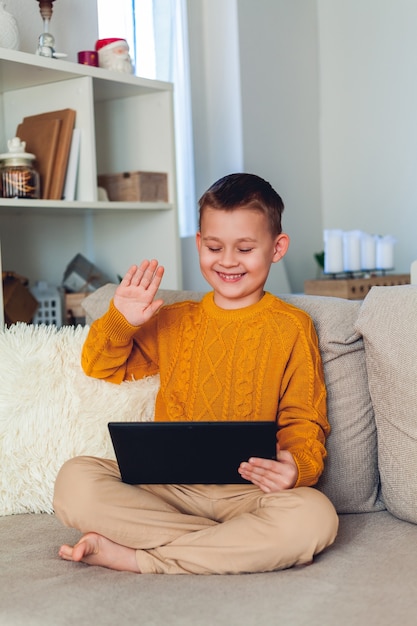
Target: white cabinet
126,124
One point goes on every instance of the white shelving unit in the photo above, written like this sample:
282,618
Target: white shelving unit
126,125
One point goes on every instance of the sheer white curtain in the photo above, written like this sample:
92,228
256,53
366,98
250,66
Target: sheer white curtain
116,23
156,31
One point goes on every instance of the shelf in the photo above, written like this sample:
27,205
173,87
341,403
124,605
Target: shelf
55,207
126,124
20,70
352,288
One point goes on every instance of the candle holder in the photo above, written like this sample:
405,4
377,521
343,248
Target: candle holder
46,41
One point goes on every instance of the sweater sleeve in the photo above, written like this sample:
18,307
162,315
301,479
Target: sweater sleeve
115,351
302,415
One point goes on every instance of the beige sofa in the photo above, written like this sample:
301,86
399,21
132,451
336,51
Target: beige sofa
50,411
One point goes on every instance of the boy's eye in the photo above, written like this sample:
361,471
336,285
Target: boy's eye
243,250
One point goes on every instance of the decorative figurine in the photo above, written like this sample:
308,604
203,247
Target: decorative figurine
113,54
46,41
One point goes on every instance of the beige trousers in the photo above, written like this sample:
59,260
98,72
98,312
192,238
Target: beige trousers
195,529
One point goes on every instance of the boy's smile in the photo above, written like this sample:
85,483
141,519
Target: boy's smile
230,277
236,249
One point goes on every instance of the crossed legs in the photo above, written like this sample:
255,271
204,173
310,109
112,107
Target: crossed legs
198,529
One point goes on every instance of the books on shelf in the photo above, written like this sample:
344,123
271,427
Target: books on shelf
41,137
49,137
72,167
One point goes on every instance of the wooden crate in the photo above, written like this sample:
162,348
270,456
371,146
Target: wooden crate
135,186
352,288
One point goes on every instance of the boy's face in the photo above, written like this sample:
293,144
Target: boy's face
236,250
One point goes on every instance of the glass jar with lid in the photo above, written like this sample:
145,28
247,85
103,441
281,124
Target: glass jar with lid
18,176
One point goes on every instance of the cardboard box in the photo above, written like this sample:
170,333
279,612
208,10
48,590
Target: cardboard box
82,275
352,288
135,186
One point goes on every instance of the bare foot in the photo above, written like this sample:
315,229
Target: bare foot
95,549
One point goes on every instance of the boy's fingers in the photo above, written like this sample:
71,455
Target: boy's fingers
146,274
152,273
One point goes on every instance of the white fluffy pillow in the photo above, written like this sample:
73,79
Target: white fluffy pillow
51,411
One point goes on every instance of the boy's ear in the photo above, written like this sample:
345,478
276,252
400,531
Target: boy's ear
198,240
280,247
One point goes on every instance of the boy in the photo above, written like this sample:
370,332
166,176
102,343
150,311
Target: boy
239,354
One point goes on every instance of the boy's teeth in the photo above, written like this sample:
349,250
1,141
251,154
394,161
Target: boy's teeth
230,276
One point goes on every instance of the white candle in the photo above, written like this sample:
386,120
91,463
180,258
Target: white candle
368,252
385,253
333,251
352,251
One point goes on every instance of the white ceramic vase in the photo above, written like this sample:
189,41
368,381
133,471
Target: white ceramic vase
9,32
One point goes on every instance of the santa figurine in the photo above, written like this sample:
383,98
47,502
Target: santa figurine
113,54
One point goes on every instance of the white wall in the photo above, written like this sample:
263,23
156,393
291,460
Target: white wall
279,77
368,92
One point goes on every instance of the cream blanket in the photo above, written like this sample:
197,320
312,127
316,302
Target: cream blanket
50,411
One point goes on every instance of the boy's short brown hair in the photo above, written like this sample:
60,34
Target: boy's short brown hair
236,191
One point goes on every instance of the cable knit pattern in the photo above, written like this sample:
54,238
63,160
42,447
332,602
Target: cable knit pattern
179,368
257,363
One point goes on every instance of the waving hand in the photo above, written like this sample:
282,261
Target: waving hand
134,297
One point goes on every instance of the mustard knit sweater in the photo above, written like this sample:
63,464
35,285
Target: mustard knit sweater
261,362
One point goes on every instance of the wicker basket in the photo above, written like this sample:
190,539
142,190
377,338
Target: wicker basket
135,186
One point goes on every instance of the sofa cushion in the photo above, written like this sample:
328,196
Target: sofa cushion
350,478
97,303
388,322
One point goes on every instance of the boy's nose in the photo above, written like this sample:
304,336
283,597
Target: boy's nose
228,259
